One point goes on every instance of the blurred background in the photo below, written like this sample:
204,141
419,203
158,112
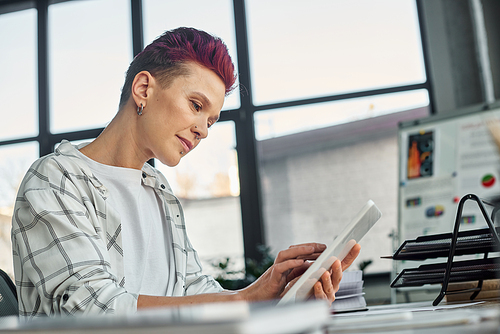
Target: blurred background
309,135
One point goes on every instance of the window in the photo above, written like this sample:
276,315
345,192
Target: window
14,162
89,51
316,80
285,121
320,162
19,116
301,49
18,80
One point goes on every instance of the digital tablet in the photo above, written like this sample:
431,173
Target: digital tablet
339,248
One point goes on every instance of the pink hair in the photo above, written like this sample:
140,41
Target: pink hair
165,56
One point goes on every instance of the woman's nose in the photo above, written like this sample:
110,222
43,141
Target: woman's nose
200,132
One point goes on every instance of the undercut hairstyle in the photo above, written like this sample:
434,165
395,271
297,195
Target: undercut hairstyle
166,56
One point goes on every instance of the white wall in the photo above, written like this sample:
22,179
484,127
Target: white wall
311,196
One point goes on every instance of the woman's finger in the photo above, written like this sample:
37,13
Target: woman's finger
298,271
284,268
336,275
300,250
313,244
309,257
349,259
319,293
328,288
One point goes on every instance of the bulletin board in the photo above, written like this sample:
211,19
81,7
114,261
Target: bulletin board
441,160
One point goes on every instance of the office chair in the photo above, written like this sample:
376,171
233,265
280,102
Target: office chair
8,296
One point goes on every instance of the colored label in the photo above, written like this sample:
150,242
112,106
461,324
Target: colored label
468,219
412,202
434,211
488,180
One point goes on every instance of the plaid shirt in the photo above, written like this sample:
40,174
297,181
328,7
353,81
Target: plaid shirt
67,242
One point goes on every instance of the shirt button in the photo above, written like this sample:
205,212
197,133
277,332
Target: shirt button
162,186
143,175
65,297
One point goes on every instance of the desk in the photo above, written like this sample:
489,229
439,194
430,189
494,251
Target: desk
302,318
416,318
214,318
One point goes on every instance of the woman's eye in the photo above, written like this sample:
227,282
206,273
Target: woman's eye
196,106
211,123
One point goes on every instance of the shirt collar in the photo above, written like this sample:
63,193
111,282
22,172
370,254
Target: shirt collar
151,176
68,150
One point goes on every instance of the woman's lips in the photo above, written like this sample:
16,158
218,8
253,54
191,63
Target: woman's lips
186,144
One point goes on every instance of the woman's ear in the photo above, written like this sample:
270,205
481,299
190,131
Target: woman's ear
141,85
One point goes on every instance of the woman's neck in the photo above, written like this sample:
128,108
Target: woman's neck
117,145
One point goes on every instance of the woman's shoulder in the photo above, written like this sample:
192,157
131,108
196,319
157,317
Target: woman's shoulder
64,162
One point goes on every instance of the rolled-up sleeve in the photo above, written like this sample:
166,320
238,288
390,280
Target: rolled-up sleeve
61,256
196,282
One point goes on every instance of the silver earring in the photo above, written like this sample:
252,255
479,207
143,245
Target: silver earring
196,127
197,138
140,109
182,152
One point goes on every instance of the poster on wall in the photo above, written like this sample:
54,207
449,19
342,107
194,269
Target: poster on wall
420,154
427,181
441,160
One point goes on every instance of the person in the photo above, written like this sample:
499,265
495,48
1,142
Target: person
96,229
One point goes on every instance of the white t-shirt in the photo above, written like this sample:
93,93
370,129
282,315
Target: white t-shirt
147,241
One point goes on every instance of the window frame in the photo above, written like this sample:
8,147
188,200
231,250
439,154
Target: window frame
243,117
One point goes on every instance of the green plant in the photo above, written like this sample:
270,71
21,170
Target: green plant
230,279
254,269
226,277
364,264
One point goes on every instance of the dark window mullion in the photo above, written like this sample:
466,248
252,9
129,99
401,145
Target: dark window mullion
331,98
137,26
251,210
138,34
423,41
43,79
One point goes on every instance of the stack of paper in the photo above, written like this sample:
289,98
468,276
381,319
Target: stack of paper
350,296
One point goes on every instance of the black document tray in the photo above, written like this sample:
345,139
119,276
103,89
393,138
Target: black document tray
461,271
438,245
449,245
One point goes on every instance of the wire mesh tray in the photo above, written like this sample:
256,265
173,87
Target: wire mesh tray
461,271
438,245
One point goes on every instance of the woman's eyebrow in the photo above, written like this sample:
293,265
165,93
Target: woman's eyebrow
204,98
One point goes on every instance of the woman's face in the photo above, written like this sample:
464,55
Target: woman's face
174,117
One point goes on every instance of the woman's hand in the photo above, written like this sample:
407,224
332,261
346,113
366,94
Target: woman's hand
329,283
289,264
287,268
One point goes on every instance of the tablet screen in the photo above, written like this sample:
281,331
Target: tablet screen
339,248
